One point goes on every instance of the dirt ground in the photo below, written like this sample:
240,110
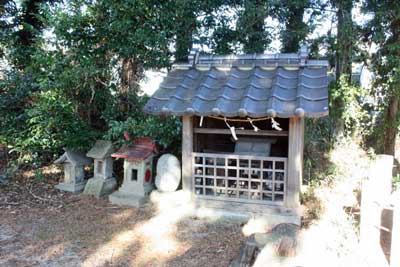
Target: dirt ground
40,226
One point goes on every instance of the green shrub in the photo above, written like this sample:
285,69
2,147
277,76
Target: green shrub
39,176
313,206
36,124
396,182
318,140
353,111
53,123
166,131
15,92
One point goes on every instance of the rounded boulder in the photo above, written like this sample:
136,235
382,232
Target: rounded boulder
168,175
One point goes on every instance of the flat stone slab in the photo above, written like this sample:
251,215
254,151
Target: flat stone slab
125,199
98,187
71,187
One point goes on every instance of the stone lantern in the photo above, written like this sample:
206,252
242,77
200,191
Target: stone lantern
138,167
74,175
102,182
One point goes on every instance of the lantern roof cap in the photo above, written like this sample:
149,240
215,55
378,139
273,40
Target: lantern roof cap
101,150
76,158
140,149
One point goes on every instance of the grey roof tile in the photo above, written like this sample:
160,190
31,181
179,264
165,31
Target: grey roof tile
254,86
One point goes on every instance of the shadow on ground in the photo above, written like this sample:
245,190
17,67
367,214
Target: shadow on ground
85,231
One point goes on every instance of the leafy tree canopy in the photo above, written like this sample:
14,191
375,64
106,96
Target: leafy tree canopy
70,70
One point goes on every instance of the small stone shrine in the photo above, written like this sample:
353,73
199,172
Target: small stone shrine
138,165
102,183
74,175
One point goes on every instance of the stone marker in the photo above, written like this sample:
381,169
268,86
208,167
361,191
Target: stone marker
74,175
138,164
168,173
247,254
283,237
102,183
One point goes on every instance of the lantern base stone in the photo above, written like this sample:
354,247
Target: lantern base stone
124,199
71,187
98,186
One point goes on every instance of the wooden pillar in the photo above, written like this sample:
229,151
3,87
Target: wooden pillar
295,162
375,190
187,149
395,244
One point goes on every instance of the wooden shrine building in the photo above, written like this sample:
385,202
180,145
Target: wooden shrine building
243,124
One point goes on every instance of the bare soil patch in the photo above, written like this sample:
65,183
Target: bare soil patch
41,226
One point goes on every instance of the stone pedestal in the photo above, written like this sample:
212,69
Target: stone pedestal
102,183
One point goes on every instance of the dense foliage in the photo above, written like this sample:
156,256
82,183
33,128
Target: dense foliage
71,70
384,30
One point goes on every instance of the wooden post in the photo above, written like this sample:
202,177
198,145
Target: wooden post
295,162
375,191
187,149
395,244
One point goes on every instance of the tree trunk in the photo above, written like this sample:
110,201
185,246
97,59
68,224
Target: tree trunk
183,45
30,24
343,58
131,74
295,29
250,26
392,110
391,126
185,27
344,39
255,42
